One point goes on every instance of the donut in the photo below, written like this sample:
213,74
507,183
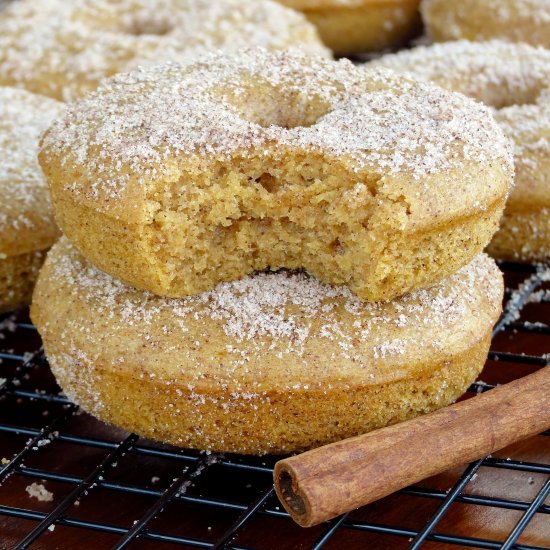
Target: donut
64,48
274,363
515,80
175,179
355,26
478,20
27,228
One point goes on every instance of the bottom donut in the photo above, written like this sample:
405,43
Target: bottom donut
273,363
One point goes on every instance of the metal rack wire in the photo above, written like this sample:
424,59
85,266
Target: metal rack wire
199,500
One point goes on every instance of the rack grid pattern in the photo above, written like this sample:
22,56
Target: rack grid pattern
234,494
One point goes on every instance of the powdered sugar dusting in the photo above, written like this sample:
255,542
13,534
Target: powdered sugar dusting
23,118
257,305
529,127
136,124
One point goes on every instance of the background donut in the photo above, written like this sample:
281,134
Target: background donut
357,26
64,48
27,228
513,20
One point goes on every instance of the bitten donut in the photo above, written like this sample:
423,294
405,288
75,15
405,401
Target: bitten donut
63,48
276,362
514,78
174,179
513,20
27,228
355,26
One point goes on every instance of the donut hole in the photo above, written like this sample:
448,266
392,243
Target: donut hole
267,105
526,97
501,97
140,25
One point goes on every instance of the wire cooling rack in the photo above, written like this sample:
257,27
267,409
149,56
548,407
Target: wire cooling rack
69,481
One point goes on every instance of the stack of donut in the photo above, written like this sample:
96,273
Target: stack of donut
266,252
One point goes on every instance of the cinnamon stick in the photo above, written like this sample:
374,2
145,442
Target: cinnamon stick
328,481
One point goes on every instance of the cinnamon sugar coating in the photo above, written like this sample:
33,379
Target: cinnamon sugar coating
275,362
515,80
177,178
65,48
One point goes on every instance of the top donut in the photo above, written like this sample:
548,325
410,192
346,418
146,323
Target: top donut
513,20
63,49
175,178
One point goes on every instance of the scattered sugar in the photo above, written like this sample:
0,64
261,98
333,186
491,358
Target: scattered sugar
8,324
537,324
39,492
539,296
380,121
520,297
